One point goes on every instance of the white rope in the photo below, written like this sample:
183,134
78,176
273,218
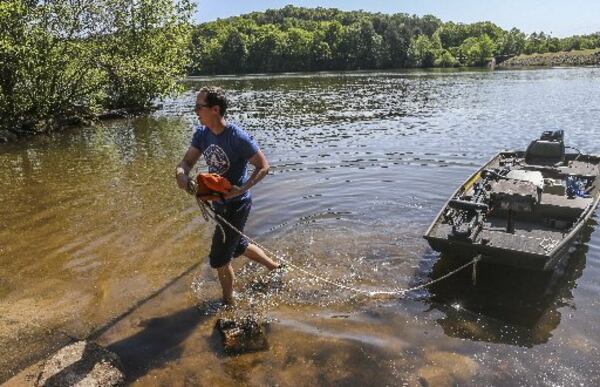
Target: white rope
371,293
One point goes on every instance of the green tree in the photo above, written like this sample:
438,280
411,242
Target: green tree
477,51
320,55
298,49
536,43
423,50
267,49
511,43
147,53
49,73
369,46
397,42
334,36
234,53
452,34
444,58
65,59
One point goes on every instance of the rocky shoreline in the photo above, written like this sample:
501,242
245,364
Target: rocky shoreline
82,363
554,59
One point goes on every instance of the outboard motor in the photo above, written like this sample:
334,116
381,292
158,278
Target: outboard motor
557,135
549,149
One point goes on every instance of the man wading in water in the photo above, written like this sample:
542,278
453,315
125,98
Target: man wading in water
227,151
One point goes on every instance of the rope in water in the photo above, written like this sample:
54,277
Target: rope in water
209,212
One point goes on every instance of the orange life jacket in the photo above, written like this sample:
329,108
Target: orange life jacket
211,186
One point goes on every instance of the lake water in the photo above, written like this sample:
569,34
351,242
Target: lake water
96,240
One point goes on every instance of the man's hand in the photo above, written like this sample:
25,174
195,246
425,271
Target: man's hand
185,166
233,192
183,181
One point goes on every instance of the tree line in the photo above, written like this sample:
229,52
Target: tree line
304,39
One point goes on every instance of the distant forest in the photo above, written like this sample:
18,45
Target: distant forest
316,39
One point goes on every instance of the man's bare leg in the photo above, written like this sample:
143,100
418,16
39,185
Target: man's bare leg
256,254
226,278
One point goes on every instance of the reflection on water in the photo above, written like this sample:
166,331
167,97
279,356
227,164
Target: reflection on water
91,224
507,305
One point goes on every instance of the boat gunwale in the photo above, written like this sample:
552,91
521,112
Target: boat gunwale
460,187
583,219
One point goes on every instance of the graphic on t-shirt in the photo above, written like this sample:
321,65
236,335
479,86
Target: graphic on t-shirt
217,159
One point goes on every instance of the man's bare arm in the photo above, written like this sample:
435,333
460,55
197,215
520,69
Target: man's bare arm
185,166
261,169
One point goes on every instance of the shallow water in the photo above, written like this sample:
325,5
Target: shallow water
94,235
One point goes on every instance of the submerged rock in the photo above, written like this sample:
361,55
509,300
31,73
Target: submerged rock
435,376
81,364
6,136
458,366
242,335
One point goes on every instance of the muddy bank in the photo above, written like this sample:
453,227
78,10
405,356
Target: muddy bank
553,59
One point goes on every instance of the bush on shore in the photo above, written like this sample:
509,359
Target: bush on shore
66,60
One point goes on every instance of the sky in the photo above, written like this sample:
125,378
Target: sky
559,17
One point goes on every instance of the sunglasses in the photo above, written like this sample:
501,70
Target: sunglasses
201,105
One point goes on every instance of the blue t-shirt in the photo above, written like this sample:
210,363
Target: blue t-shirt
227,153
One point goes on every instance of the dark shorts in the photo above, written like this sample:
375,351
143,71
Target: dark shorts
236,213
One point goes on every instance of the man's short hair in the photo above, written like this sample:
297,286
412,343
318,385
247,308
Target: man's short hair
215,96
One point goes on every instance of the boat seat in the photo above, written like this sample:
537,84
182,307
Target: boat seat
515,195
545,152
580,168
560,206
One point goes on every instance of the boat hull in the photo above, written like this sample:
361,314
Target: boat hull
466,252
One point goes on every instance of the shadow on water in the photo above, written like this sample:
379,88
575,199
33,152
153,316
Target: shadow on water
507,305
159,342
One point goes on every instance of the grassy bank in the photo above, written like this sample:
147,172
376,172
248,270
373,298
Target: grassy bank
562,58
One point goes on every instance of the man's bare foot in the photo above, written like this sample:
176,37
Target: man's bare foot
230,301
280,269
